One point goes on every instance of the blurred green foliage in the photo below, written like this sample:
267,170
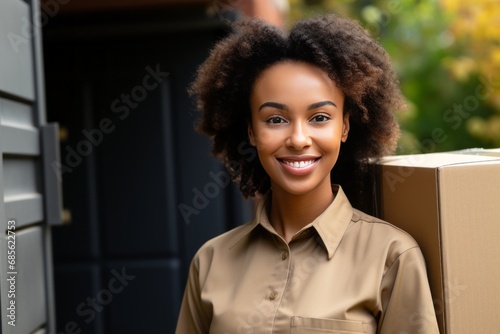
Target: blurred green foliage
450,84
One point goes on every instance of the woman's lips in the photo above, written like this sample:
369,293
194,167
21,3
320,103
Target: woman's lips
299,167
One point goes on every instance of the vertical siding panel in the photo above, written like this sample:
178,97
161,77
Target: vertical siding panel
16,50
40,119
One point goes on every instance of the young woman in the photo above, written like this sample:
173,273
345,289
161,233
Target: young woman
316,105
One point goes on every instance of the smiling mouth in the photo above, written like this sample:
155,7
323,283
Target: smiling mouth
299,163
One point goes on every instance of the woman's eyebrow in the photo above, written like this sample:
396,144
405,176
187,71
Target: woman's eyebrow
321,104
284,107
274,105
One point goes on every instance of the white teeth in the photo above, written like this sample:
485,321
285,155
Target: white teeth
297,164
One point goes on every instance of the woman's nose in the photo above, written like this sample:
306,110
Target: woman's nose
298,138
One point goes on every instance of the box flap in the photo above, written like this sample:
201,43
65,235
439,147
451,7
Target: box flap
435,160
492,152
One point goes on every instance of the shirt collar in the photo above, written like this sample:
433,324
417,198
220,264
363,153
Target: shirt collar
330,225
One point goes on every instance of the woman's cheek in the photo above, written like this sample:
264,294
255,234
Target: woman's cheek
266,139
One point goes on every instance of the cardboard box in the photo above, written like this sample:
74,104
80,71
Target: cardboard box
450,203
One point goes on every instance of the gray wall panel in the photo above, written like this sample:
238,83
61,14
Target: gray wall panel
20,176
21,189
27,209
30,280
20,140
16,49
16,114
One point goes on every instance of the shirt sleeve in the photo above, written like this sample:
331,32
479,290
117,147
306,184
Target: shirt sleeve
406,299
193,317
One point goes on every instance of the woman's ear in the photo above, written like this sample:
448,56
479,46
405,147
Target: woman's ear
345,127
251,135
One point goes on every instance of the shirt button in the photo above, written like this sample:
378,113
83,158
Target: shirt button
284,255
273,295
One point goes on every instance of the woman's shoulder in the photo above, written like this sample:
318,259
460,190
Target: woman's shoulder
381,231
224,241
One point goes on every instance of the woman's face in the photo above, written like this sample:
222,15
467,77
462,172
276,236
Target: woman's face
297,126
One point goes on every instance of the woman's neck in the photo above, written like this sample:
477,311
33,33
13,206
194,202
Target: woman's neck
289,213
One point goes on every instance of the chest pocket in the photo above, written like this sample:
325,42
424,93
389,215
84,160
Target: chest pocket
303,325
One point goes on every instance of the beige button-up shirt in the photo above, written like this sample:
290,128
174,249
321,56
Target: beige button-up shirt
346,272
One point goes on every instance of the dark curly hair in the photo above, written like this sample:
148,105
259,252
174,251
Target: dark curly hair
341,48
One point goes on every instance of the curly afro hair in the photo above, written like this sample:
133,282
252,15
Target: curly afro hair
341,48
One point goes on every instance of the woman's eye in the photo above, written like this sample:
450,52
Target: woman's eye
320,118
275,120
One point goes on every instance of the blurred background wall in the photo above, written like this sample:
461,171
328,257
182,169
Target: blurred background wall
447,55
141,192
